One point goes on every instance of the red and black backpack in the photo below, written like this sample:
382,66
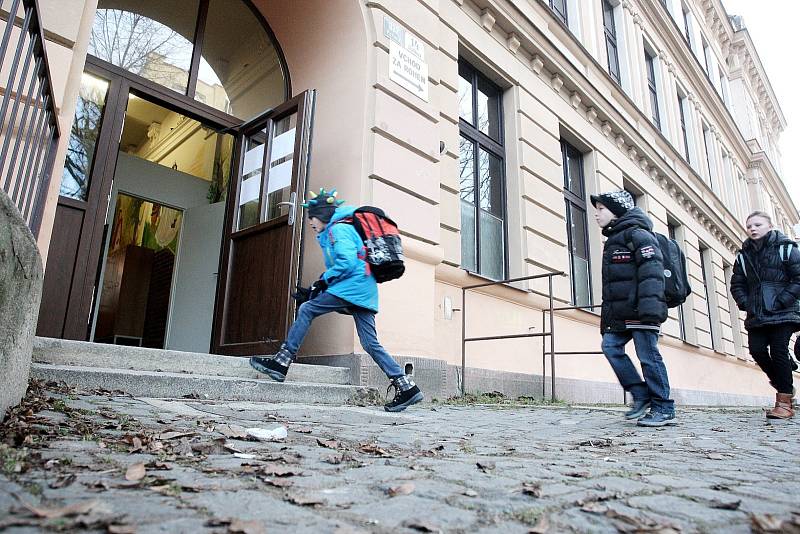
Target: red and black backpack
383,250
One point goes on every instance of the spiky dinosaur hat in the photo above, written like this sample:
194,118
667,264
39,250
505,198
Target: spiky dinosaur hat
322,205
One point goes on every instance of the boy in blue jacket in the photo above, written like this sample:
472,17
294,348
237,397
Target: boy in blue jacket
345,287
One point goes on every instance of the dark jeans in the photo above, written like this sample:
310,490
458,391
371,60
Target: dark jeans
655,385
769,347
365,326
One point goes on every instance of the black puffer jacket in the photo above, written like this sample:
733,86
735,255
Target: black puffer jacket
766,287
633,278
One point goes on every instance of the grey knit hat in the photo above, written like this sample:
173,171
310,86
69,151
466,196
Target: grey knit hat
617,202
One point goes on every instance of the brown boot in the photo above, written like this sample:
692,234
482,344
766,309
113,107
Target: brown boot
783,407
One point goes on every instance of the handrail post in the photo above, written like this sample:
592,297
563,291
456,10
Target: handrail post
463,342
544,357
552,343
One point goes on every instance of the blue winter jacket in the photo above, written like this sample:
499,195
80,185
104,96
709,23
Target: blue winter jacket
346,273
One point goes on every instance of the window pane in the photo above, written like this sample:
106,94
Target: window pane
573,170
466,166
468,242
465,94
150,38
613,60
492,246
250,187
579,255
279,185
488,109
490,176
83,137
240,71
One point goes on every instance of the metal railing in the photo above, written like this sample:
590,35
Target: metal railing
29,130
553,353
543,334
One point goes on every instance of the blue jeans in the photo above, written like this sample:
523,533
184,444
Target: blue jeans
365,326
655,385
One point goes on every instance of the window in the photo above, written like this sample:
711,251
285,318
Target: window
672,230
705,267
687,26
577,225
217,52
612,50
736,323
649,60
708,143
682,110
559,7
481,175
706,56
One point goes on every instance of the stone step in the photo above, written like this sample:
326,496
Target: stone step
85,354
178,385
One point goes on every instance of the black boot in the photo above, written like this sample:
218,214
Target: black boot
406,393
275,366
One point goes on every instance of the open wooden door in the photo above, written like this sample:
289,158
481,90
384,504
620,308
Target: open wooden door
261,245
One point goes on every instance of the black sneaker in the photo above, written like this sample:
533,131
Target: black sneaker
638,409
654,419
269,367
403,399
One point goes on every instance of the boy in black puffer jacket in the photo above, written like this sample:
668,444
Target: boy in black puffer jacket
634,305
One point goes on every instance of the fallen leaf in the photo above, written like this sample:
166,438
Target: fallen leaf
280,471
160,466
328,443
63,481
239,526
597,442
166,436
720,487
768,523
421,526
594,508
121,529
76,509
578,474
725,505
302,430
402,489
135,472
232,431
303,500
371,448
534,489
97,485
215,446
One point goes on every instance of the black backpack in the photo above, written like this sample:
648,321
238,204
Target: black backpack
383,250
676,279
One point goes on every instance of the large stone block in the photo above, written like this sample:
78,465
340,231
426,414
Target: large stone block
21,277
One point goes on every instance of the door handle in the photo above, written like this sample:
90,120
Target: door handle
292,207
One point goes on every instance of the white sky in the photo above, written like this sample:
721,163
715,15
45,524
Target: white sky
772,24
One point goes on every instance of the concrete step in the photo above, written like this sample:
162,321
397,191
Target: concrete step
177,385
84,354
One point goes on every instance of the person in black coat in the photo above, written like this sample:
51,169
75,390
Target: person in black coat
634,305
766,284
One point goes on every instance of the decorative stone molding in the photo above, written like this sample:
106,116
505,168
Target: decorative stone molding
606,128
537,64
487,20
557,82
591,115
620,142
513,43
575,99
643,164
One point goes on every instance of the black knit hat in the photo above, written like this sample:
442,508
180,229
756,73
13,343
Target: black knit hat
617,202
322,205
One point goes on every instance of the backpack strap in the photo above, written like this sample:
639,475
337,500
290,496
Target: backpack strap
740,259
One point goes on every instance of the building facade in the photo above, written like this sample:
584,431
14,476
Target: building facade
481,127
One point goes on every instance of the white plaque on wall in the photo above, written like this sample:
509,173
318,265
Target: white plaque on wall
408,71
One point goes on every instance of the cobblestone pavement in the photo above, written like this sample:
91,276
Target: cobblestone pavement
111,463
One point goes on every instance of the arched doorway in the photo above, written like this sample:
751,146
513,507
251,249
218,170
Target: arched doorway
184,157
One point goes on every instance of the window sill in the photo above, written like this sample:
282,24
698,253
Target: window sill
485,278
